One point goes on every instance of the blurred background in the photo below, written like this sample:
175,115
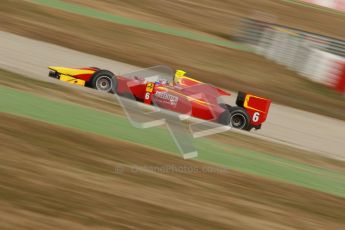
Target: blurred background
68,153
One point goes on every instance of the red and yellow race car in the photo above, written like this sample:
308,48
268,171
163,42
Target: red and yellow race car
181,94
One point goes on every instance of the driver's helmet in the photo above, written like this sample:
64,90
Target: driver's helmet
162,82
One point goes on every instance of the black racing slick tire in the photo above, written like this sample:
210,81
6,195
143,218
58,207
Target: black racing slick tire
236,117
239,118
104,81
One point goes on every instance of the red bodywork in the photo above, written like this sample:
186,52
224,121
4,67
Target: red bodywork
177,97
185,96
191,97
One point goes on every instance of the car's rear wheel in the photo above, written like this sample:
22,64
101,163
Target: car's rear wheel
239,118
236,117
104,81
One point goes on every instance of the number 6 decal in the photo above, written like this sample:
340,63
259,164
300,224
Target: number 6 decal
256,116
147,96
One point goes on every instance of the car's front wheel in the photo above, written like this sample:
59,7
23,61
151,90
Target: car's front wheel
104,81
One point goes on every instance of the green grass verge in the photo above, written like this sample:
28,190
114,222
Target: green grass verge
114,126
89,12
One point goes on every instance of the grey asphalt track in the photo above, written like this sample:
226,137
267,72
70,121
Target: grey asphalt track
319,134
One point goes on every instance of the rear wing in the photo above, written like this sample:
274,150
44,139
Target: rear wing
256,107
